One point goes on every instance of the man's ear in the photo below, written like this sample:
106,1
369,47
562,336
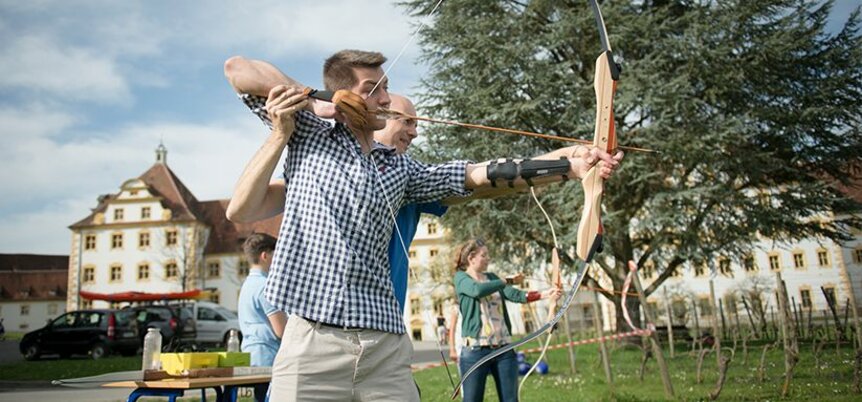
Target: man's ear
265,255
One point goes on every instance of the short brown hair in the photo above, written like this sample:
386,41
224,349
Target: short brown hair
255,244
466,250
338,68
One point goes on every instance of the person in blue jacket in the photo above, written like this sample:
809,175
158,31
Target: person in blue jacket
400,133
262,325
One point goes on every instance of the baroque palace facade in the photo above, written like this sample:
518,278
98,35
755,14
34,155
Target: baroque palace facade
154,236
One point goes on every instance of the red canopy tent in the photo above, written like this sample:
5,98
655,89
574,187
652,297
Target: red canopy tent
141,296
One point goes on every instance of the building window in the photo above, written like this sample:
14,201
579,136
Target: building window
648,270
829,292
243,267
215,296
724,266
52,308
857,256
730,303
799,260
823,258
171,270
89,275
213,269
774,263
86,304
704,306
171,237
414,306
145,213
116,273
432,228
438,307
411,253
748,263
699,269
143,239
143,272
433,252
25,309
117,240
118,214
90,242
805,296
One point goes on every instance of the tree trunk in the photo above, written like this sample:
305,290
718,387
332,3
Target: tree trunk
723,365
606,362
669,310
568,328
788,335
665,374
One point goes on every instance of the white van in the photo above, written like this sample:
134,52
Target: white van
213,322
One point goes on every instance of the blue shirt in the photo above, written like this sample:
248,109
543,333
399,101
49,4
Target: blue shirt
258,337
407,221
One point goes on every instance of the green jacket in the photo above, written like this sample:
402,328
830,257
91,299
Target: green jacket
470,293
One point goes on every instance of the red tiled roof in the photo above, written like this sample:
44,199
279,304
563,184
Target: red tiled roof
854,188
226,236
161,181
33,277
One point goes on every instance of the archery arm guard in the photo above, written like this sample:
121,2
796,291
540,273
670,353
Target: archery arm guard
527,169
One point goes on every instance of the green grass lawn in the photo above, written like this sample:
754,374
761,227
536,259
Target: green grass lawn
831,381
53,369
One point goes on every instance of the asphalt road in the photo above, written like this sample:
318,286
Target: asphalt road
9,352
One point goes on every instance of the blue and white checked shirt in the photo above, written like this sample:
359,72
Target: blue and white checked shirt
330,262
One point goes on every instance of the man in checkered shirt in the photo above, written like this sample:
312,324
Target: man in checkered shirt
345,339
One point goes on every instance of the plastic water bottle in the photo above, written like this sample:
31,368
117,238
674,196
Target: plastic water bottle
233,341
152,350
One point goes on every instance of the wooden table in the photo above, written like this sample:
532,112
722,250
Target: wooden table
225,387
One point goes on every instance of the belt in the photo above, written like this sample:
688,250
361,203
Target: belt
339,327
473,342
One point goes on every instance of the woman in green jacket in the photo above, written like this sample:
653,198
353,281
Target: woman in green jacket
485,321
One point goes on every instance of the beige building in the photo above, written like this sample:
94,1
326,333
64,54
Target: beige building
32,290
154,236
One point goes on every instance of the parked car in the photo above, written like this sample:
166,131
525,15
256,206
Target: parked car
93,332
175,323
213,322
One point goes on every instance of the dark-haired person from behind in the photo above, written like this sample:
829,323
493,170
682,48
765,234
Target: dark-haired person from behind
262,325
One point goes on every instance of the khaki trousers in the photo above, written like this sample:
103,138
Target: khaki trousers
320,363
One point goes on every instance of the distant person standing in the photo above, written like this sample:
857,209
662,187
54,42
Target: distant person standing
261,324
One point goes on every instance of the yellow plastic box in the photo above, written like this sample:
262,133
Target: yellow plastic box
234,359
175,363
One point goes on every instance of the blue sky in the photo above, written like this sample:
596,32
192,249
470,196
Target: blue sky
89,88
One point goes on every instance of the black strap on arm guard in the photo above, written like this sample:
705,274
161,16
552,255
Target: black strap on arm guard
532,168
527,169
505,169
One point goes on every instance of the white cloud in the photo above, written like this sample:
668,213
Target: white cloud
284,28
40,64
52,167
51,182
